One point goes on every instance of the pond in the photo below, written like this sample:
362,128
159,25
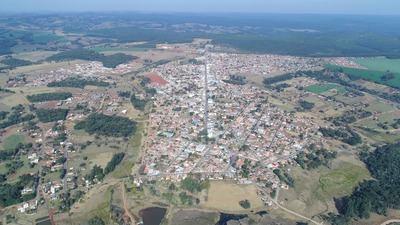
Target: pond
152,216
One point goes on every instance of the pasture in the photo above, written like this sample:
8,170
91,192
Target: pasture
225,196
12,141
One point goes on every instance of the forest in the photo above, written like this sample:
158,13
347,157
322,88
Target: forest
377,195
137,103
77,83
114,126
110,61
51,115
53,96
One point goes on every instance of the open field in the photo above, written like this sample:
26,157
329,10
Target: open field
319,88
12,141
35,56
378,106
379,64
370,75
225,196
340,181
314,189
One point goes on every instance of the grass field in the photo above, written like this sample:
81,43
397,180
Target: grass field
12,141
225,196
44,37
23,48
370,75
319,88
380,64
341,180
378,106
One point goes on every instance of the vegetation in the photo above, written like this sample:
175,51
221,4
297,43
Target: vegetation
347,136
138,104
381,77
13,63
284,177
315,159
51,115
349,116
245,204
376,195
276,79
110,61
16,117
306,105
236,80
319,88
191,184
78,83
96,221
115,161
10,194
101,124
53,96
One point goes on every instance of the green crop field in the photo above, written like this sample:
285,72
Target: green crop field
369,75
380,64
12,141
319,88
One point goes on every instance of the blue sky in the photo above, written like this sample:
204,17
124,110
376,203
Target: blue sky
379,7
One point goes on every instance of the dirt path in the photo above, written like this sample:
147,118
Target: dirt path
101,104
387,222
127,212
275,200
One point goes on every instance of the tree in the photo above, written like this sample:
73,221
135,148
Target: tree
245,203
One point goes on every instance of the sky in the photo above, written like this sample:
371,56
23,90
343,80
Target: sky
366,7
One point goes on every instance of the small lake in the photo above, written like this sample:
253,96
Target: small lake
224,218
152,216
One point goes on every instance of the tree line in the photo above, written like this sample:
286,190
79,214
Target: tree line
53,96
78,83
110,61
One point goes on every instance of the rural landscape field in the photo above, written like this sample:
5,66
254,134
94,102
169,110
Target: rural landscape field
199,118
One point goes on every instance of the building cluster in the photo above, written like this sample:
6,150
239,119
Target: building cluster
92,70
201,124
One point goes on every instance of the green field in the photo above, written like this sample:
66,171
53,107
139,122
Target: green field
369,75
123,49
12,141
342,180
380,64
44,37
23,48
319,88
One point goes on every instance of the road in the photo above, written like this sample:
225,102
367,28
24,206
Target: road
275,200
387,222
127,212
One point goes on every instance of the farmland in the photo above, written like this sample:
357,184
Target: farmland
379,64
370,75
